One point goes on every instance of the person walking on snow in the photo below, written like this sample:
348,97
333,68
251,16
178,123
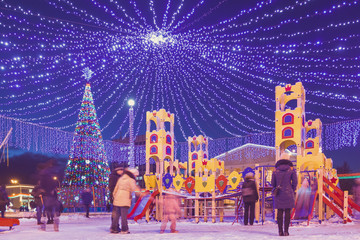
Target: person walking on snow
285,177
87,198
37,193
171,211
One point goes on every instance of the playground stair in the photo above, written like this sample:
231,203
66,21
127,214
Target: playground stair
338,201
239,212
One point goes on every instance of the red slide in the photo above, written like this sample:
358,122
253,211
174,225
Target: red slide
142,205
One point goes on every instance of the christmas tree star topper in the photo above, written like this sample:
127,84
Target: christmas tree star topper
87,73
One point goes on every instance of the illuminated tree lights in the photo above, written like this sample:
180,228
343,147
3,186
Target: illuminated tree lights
215,64
87,165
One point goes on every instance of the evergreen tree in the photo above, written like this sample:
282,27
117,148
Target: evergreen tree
87,166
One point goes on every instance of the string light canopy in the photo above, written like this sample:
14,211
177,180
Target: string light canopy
214,64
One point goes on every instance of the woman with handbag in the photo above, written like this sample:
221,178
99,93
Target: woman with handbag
284,182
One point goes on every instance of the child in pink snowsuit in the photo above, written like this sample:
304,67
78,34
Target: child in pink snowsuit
170,212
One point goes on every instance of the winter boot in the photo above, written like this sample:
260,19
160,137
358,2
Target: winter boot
56,224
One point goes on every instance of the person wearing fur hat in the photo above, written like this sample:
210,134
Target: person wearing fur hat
250,197
125,185
284,177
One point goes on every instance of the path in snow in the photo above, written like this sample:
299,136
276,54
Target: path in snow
76,226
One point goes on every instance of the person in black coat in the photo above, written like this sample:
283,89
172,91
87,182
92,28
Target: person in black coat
51,204
87,198
250,197
285,177
4,200
113,178
37,193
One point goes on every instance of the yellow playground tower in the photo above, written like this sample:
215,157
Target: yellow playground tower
292,129
289,123
198,154
160,141
160,148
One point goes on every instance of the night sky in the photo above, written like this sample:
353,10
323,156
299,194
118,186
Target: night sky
214,64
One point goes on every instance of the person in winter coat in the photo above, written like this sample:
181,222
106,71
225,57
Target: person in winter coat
37,193
51,203
285,177
250,197
113,178
171,212
125,185
4,200
87,198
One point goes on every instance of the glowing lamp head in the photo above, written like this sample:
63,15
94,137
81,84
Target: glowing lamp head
131,102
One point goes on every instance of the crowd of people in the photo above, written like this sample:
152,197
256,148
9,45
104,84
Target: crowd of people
122,187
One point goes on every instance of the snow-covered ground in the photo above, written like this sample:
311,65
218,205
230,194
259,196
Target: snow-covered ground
76,226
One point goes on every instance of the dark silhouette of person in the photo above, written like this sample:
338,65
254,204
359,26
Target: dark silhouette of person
87,198
285,177
4,200
250,197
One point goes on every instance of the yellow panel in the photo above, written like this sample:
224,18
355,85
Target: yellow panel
178,182
150,181
234,179
205,184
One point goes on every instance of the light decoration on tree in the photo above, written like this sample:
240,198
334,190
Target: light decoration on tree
87,166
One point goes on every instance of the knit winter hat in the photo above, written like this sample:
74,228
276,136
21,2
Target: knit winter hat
249,175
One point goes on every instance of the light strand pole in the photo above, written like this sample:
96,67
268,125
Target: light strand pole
131,103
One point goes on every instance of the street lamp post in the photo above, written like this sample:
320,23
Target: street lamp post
131,103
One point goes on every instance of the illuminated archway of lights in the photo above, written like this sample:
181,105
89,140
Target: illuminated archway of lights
214,64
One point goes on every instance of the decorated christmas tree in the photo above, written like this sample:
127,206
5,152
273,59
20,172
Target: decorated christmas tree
87,166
